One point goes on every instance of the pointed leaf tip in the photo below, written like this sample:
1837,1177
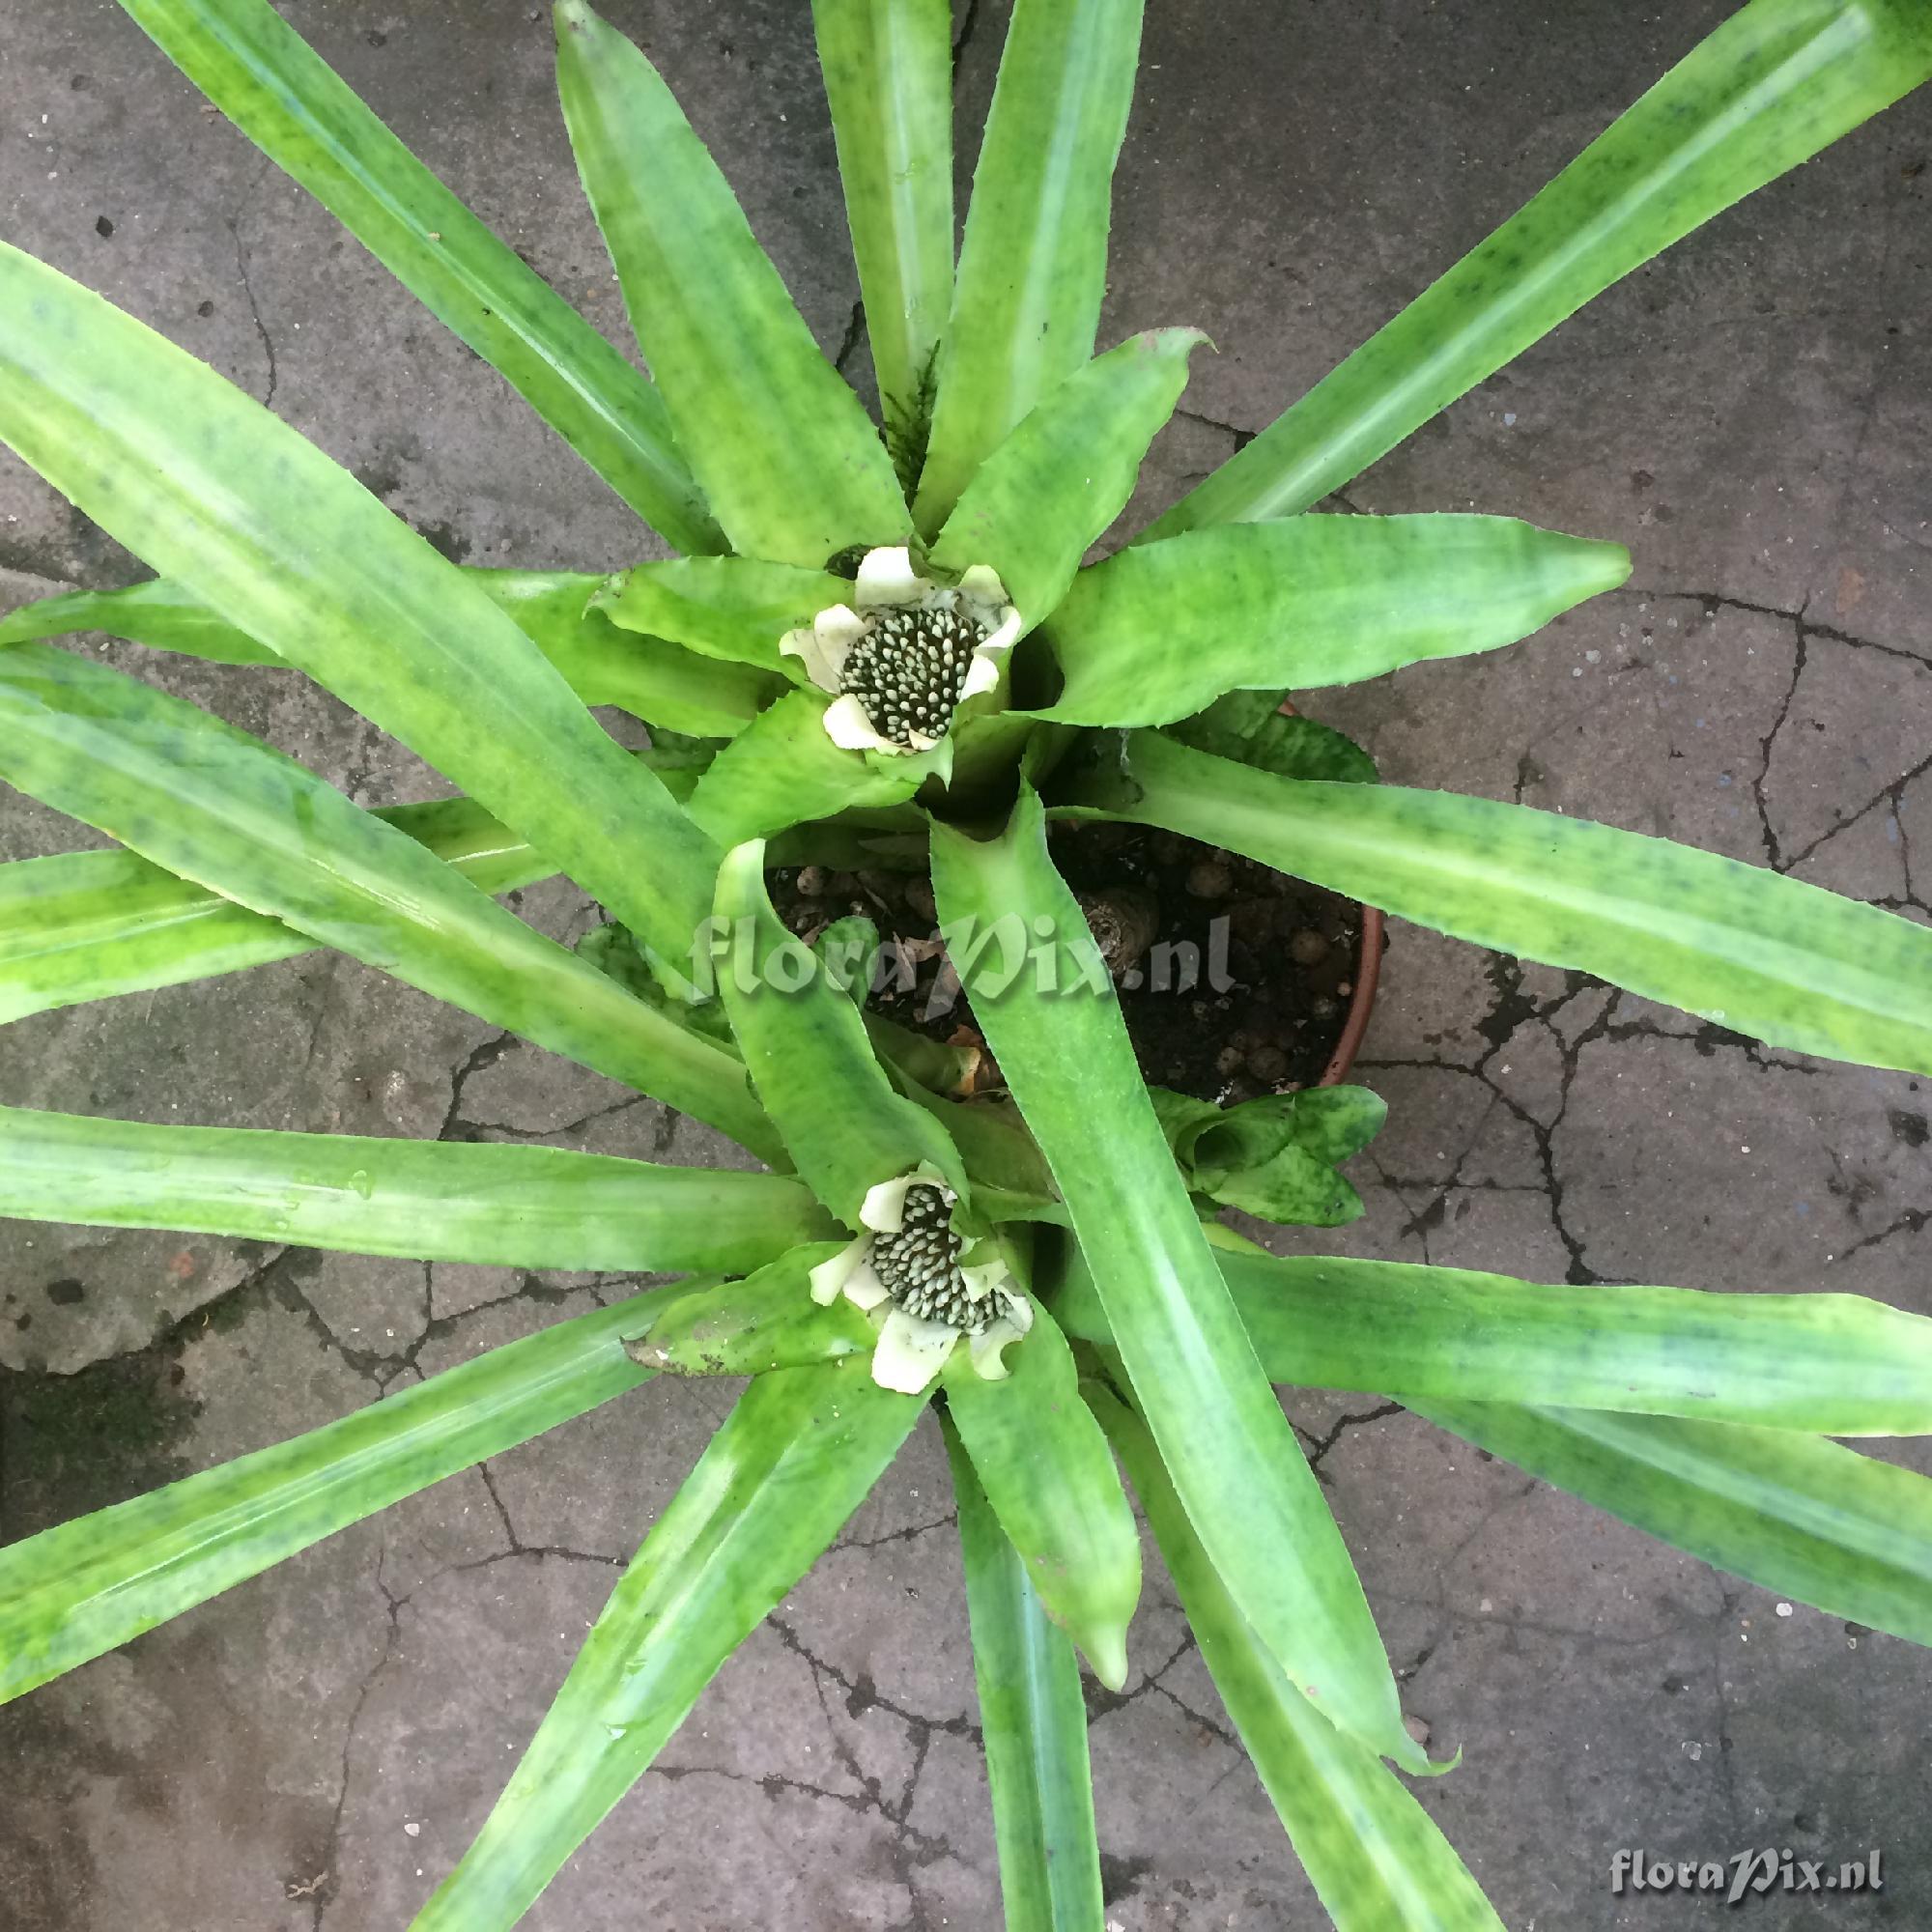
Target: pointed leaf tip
1105,1649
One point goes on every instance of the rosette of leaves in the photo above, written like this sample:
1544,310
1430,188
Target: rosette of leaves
884,640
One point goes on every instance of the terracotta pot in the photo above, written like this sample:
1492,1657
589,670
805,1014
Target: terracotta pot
1368,969
1368,972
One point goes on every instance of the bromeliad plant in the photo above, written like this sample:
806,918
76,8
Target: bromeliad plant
887,645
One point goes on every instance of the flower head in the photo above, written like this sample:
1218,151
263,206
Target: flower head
905,653
908,1271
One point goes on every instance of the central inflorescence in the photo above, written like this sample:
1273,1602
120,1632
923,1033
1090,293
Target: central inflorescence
909,670
920,1265
905,653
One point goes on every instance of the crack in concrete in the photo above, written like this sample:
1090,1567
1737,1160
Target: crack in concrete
912,1848
1242,436
1215,1729
891,1536
461,1128
1323,1444
485,1053
328,1883
254,307
1512,1011
863,1695
1773,845
1890,793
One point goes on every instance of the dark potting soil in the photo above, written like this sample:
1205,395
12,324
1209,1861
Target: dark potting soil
1233,981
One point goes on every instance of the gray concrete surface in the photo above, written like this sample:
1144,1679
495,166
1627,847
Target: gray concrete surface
1750,415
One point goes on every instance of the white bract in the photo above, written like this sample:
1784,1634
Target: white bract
906,652
908,1272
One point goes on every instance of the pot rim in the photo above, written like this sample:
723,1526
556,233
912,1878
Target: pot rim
1362,1003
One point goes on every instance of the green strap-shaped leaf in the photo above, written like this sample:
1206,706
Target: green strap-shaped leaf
749,1328
1033,264
166,615
1044,495
1797,1514
648,676
783,770
280,93
793,471
1156,633
502,1204
887,69
79,1589
794,1458
1034,1719
1045,1465
1011,922
1762,953
213,805
87,925
1777,82
1372,1853
721,606
1830,1364
809,1060
207,488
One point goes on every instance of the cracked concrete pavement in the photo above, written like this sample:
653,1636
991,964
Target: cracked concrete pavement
1749,415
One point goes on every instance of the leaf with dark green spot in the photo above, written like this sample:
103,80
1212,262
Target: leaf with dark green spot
1034,1721
1275,1156
1772,85
1045,495
83,1588
1248,726
792,470
280,93
796,1456
1292,1187
1157,632
1768,955
1033,264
